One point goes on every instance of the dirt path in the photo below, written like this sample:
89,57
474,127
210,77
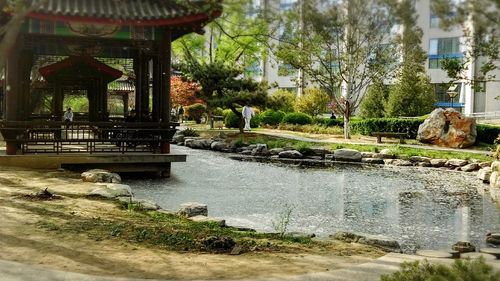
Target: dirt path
26,236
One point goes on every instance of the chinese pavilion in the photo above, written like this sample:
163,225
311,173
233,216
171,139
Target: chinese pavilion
67,44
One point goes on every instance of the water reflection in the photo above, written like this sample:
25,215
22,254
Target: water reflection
402,204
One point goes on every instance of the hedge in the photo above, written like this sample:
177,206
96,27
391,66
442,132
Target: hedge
298,118
395,125
329,122
487,133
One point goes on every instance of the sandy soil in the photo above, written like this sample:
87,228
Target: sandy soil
23,240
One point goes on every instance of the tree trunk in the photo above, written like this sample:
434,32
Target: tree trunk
242,122
347,117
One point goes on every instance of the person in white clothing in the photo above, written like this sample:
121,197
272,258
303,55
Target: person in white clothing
247,113
68,115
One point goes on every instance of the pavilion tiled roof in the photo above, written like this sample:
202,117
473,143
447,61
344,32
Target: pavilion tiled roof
140,12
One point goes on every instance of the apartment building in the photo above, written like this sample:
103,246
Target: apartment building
438,44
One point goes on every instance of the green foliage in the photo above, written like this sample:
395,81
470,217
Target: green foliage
271,117
373,105
395,125
487,133
461,270
413,94
281,100
232,120
329,122
196,111
78,103
313,102
189,132
283,220
312,129
297,118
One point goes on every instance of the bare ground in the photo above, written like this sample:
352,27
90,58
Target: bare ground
25,236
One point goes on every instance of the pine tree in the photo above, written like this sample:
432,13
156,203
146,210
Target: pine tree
413,94
373,105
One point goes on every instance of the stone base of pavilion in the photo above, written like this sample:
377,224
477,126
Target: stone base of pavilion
151,164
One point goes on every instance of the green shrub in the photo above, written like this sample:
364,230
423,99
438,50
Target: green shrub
395,125
329,122
460,270
312,129
297,118
188,132
231,120
313,102
196,111
271,117
281,100
487,133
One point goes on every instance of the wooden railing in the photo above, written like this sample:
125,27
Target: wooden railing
39,136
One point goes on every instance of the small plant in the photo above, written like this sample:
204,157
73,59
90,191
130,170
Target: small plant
303,148
271,117
281,223
189,132
460,270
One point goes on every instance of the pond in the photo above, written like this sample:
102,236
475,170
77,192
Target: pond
420,207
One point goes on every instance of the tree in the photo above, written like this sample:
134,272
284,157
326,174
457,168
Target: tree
229,50
373,105
413,94
480,21
313,102
281,100
183,92
341,46
223,86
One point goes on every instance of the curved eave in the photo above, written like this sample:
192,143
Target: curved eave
178,21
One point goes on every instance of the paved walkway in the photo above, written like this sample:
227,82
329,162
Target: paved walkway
371,271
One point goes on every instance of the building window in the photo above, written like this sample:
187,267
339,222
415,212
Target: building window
287,4
442,97
434,20
443,48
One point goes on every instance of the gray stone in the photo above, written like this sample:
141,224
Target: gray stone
493,238
463,247
219,145
434,254
99,175
424,164
301,234
319,151
315,157
143,203
275,151
367,154
420,159
495,165
494,179
178,137
470,167
293,154
198,143
484,174
260,150
372,160
374,240
246,152
486,257
329,157
492,251
397,162
112,190
349,155
456,163
383,156
485,164
251,147
192,209
438,163
219,222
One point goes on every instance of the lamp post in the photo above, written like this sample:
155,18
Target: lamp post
452,93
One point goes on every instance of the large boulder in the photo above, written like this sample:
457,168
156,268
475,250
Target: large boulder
260,150
349,155
293,154
100,175
448,128
484,174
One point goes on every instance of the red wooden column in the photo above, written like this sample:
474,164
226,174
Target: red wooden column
165,63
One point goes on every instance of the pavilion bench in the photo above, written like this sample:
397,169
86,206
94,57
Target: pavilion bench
379,136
